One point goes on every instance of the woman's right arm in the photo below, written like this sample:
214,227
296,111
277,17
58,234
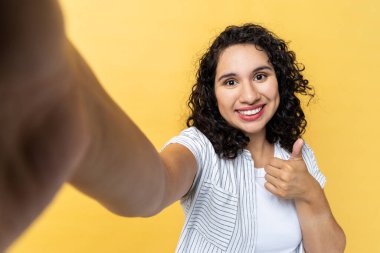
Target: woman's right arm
58,124
121,168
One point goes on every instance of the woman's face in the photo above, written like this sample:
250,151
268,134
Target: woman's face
246,88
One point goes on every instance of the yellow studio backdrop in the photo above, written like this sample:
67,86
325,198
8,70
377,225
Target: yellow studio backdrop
145,52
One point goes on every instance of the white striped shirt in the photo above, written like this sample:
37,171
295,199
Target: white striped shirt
220,208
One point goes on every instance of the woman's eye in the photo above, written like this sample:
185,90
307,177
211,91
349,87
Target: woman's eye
260,77
230,82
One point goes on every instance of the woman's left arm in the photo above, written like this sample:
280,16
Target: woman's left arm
320,231
290,179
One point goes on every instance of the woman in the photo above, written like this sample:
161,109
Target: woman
257,187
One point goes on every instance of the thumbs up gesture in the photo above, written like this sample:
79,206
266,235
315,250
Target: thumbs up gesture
290,179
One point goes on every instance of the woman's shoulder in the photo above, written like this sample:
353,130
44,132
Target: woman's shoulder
195,135
193,139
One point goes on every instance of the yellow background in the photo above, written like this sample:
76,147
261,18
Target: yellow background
145,53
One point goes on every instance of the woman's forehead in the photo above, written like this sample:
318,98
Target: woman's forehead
241,57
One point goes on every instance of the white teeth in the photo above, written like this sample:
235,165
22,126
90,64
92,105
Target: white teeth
251,112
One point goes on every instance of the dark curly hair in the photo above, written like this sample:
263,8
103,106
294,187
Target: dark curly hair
289,121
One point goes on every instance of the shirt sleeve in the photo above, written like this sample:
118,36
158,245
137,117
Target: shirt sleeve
311,163
196,142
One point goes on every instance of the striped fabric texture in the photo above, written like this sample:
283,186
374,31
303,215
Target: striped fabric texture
220,208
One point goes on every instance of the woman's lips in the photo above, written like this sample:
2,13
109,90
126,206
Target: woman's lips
251,114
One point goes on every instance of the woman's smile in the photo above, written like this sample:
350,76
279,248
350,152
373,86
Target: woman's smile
251,114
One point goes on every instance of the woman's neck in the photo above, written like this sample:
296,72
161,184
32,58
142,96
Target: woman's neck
261,150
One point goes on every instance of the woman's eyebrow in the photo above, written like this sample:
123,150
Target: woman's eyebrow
255,70
262,68
226,75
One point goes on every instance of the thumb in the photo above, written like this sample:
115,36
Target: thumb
297,150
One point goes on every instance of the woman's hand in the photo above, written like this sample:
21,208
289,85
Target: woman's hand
290,179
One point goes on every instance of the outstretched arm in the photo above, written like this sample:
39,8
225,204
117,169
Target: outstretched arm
59,124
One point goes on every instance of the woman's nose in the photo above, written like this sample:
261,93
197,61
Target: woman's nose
249,94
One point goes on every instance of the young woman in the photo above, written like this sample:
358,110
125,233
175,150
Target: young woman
246,180
257,186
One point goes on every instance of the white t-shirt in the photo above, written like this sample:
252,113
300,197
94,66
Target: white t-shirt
221,207
278,228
